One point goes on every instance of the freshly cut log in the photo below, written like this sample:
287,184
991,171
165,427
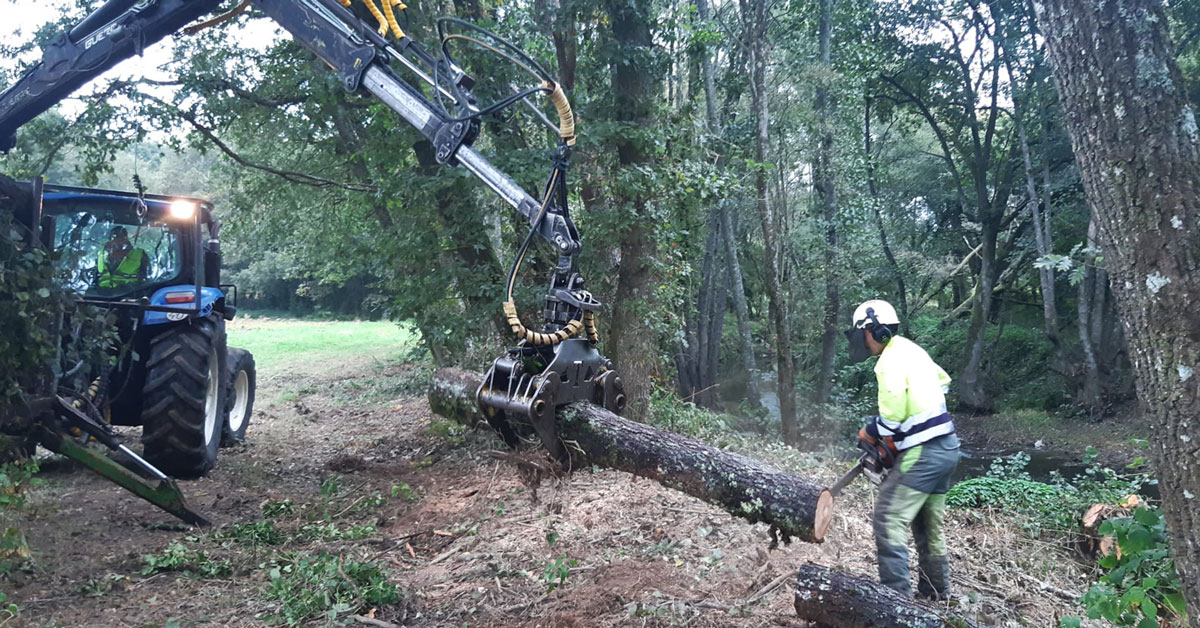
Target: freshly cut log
742,486
835,599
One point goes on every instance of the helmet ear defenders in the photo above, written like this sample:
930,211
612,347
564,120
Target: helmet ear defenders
880,331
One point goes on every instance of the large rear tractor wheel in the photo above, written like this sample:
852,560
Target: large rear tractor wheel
239,398
184,398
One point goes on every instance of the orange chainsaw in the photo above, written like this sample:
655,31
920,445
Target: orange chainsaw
877,457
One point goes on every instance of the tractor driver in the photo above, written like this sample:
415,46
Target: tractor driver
119,263
914,427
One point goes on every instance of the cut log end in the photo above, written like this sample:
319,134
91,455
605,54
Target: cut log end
823,515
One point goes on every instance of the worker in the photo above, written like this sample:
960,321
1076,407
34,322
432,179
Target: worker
917,435
119,263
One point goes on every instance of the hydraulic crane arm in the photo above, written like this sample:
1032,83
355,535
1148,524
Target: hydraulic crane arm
548,368
116,31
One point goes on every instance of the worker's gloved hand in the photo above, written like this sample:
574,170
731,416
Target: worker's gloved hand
880,448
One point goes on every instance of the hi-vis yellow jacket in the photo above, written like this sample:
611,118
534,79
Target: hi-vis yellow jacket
912,395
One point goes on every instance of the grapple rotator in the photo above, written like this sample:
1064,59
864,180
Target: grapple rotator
560,364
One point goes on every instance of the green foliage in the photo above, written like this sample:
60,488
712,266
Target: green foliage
16,478
556,571
1141,587
253,534
405,491
10,609
331,531
448,432
331,485
321,585
669,412
276,509
1010,494
1054,508
31,308
192,562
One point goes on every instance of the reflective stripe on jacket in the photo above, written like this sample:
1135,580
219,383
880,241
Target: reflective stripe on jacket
127,272
912,394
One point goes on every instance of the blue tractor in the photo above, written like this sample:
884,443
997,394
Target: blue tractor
156,262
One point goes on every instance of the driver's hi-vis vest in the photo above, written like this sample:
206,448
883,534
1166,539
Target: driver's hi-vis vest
125,273
912,395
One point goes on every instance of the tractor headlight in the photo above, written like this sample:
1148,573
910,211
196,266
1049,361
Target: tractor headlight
183,210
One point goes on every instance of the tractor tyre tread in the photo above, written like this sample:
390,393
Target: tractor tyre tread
174,393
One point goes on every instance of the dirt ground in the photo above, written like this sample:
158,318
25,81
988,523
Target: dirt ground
461,536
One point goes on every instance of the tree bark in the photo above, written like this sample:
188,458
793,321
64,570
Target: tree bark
742,486
754,16
1090,395
835,599
630,344
737,290
823,179
1135,139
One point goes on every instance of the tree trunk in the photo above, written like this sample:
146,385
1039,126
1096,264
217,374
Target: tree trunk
737,292
1090,395
971,389
1135,139
876,203
1041,233
631,344
716,322
823,178
835,599
742,486
754,14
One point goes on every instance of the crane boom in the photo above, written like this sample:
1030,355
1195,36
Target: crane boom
548,368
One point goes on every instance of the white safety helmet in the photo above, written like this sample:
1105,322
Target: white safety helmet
883,311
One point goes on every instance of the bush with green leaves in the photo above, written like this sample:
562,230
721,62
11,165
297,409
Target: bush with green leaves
311,586
1140,587
556,572
16,478
1054,508
670,412
190,561
253,534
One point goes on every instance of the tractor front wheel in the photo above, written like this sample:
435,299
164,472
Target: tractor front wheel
239,398
183,409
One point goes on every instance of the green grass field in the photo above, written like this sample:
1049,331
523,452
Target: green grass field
283,346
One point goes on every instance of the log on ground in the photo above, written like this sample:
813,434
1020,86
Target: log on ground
744,487
835,599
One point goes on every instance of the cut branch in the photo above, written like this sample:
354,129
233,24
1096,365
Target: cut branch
742,486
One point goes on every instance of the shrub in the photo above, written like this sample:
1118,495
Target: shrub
314,585
192,562
1141,587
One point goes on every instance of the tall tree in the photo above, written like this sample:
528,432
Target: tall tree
823,180
1138,148
634,88
937,80
755,19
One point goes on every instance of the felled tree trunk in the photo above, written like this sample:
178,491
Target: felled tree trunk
833,599
744,487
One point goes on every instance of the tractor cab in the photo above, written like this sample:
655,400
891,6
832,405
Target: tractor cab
156,262
156,254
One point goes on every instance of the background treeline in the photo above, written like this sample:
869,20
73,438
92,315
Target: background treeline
747,172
